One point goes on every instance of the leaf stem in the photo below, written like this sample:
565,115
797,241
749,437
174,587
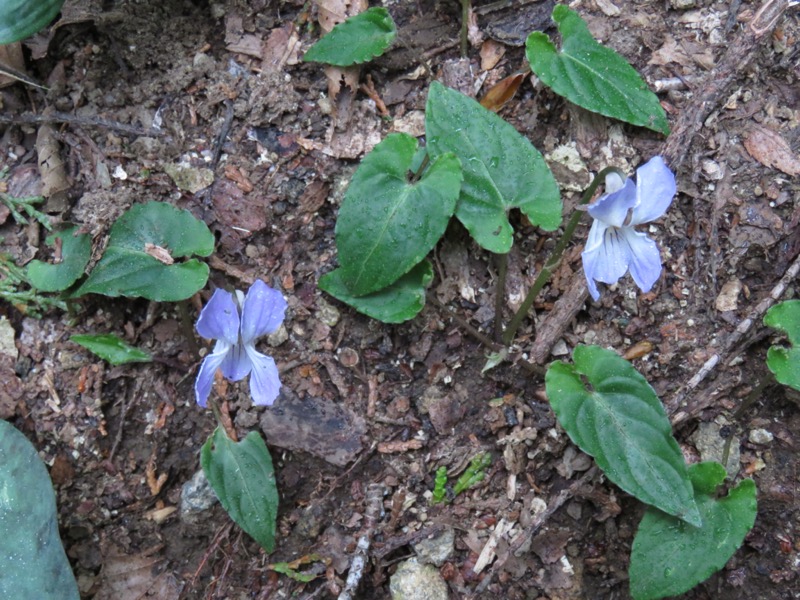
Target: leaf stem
499,296
555,256
422,166
465,6
186,326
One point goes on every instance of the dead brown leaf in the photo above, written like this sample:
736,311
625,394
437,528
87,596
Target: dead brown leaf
154,482
135,577
320,427
503,91
11,56
771,150
51,167
282,48
162,255
314,196
236,40
491,53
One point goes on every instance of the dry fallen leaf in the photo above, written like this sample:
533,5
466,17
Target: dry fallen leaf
771,150
160,254
133,577
491,53
728,298
503,91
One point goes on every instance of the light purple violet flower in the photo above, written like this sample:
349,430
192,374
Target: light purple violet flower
262,312
614,246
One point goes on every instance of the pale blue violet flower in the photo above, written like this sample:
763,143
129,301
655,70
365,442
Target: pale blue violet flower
614,246
236,322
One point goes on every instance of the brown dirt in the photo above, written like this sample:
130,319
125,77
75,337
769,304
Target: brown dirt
121,441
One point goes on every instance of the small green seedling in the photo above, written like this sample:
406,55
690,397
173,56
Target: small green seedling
439,486
474,474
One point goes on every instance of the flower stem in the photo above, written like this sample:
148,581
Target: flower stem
222,422
555,256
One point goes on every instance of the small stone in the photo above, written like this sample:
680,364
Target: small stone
278,337
7,345
327,313
197,496
415,581
189,178
438,549
560,348
711,446
760,436
712,170
683,4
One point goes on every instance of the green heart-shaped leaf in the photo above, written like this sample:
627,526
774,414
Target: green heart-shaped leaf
22,18
76,250
112,349
32,560
399,302
355,40
592,75
670,557
502,169
242,476
387,224
143,244
620,421
785,362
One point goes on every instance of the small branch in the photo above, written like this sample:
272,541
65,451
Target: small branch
374,502
677,406
59,117
466,326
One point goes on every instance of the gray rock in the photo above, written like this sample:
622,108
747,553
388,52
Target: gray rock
415,581
438,549
197,496
710,444
760,436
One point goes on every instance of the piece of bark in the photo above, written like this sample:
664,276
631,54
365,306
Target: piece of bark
558,319
314,425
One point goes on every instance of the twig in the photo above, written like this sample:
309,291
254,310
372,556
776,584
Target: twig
374,502
369,89
221,534
59,117
483,339
523,538
677,405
